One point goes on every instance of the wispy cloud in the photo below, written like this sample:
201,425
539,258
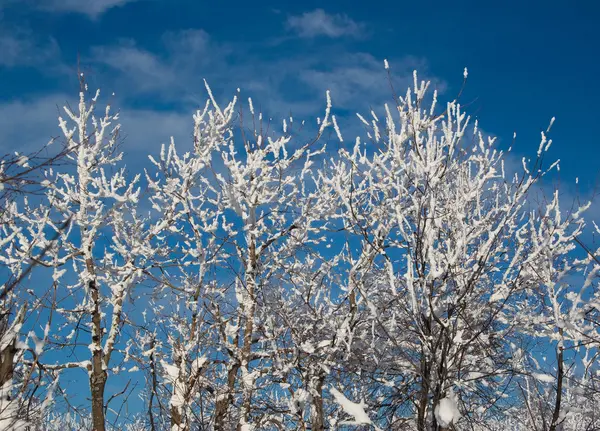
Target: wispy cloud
292,82
143,129
357,80
91,8
143,70
170,72
188,41
157,86
320,23
19,47
27,125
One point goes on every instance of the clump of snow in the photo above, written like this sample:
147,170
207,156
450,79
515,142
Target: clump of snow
446,412
307,347
353,409
546,378
299,400
23,161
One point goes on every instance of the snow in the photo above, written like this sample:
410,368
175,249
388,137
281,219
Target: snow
307,347
171,370
337,129
23,161
546,378
446,412
310,333
356,410
39,344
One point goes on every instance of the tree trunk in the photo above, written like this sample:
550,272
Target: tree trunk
7,368
176,420
425,371
423,400
98,373
97,383
559,384
317,414
8,354
249,310
224,400
6,362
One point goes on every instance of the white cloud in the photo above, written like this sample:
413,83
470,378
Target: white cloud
27,125
168,83
20,48
170,72
142,70
91,8
358,80
173,73
290,83
144,130
319,23
188,42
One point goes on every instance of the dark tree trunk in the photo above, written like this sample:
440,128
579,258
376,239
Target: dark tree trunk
559,385
318,415
224,400
98,373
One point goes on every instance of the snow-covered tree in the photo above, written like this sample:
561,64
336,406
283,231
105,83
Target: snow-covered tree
407,280
67,233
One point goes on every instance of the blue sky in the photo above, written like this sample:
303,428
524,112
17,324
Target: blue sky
527,61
